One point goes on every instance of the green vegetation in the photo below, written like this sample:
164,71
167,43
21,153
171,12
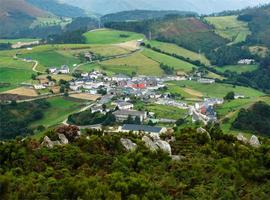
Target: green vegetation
13,72
16,118
217,89
180,51
51,58
237,68
177,64
100,168
106,36
230,28
137,62
59,110
255,119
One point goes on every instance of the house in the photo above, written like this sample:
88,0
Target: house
64,69
98,108
120,77
53,70
142,128
88,56
246,61
39,87
239,96
206,81
122,115
124,105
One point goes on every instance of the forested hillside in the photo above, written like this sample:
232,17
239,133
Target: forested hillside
97,166
190,32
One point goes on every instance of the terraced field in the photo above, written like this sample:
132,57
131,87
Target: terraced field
107,36
230,28
180,51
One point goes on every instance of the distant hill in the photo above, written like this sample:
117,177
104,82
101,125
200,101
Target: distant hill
17,15
137,15
191,33
58,9
200,6
258,20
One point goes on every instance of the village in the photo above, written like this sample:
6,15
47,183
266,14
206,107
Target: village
114,94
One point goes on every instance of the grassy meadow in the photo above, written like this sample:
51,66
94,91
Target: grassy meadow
14,41
230,28
237,68
175,49
107,36
178,65
60,109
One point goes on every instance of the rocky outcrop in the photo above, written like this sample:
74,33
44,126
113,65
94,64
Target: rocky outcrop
177,157
157,143
203,131
128,144
149,143
47,142
254,141
164,146
63,139
242,138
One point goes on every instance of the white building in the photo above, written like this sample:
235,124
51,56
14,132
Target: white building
206,81
39,87
124,105
246,61
64,69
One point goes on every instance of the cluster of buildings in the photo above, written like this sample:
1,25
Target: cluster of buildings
205,111
64,69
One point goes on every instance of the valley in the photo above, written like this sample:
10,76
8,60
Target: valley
136,104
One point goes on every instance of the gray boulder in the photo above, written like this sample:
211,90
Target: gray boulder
128,144
47,142
242,138
149,143
202,130
254,141
63,139
177,157
164,146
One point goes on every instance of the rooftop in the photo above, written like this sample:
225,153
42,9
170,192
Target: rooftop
144,128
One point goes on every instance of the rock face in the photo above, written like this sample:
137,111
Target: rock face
47,142
202,130
164,146
254,141
149,143
63,139
128,144
242,138
156,144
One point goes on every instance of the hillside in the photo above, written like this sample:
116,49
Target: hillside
258,20
190,33
137,15
58,9
199,6
98,166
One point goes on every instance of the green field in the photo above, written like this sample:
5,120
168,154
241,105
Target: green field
14,72
137,62
230,28
217,89
174,49
48,59
106,36
237,68
177,64
14,41
60,109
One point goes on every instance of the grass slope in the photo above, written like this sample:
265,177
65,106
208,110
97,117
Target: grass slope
59,110
230,28
237,68
174,49
106,36
177,64
137,62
